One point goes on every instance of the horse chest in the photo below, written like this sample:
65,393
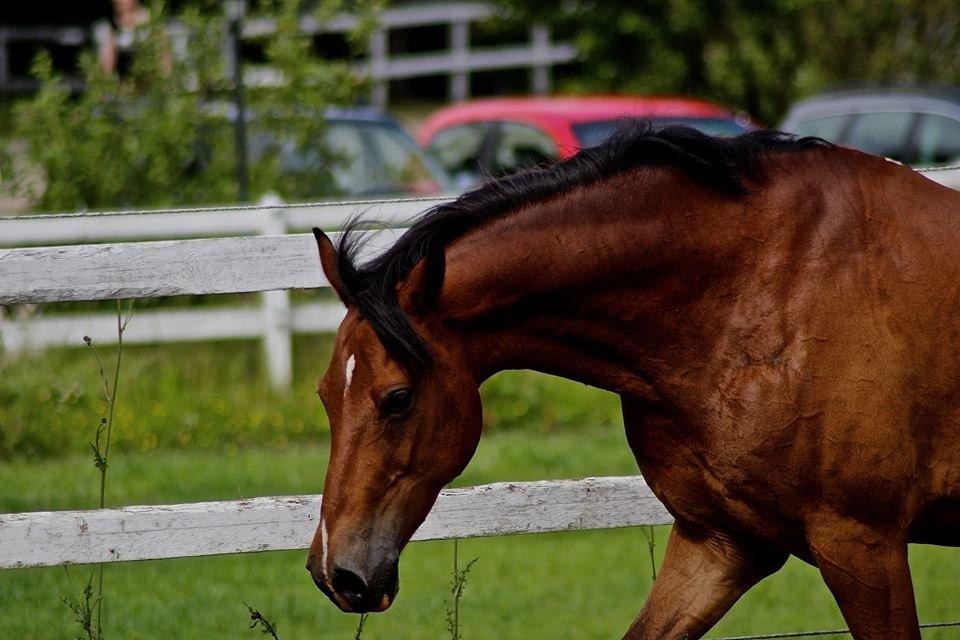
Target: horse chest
709,487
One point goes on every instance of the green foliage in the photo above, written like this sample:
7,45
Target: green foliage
156,136
117,143
267,627
90,616
458,582
758,56
84,609
216,396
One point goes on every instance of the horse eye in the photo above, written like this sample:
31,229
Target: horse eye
396,402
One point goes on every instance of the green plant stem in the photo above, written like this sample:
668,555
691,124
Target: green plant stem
650,534
112,398
111,405
456,590
457,584
260,620
359,634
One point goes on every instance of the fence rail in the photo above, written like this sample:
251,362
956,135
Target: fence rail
173,325
280,523
270,264
106,226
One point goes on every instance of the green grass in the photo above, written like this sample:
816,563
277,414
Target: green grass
198,422
566,585
216,397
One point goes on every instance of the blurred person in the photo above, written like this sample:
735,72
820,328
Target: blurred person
116,37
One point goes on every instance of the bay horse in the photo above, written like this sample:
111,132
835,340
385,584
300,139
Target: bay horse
780,317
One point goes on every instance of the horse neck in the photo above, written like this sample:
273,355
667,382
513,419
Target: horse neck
612,285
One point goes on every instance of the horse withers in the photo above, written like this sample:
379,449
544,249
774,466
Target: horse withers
779,317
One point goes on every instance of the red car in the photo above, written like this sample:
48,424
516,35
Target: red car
494,137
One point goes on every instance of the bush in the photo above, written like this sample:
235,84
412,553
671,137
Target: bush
757,56
155,138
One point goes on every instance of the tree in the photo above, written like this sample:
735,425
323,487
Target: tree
159,136
758,55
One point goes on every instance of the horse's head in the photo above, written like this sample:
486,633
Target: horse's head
399,434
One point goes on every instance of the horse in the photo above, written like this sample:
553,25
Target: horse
779,316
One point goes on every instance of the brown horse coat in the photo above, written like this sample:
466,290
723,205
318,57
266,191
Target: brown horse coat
785,344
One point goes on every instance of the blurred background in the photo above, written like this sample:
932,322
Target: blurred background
130,104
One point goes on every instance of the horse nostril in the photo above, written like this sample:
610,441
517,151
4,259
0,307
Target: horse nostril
349,585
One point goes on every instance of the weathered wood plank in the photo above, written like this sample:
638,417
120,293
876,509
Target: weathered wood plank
48,230
270,524
157,327
165,268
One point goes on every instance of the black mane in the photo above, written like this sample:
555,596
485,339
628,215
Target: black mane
724,163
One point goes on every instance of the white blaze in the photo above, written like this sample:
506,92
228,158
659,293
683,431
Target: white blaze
351,365
323,546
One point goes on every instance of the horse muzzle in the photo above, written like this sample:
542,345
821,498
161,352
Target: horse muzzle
356,591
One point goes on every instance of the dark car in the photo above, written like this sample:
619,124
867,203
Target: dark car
919,127
366,153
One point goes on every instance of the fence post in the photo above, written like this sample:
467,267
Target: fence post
459,50
379,56
541,80
4,59
277,339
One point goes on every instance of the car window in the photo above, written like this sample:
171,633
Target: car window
883,134
592,134
938,140
458,149
595,132
711,126
398,165
303,170
829,127
519,147
349,170
353,157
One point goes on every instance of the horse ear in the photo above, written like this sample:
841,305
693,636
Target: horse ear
328,261
419,290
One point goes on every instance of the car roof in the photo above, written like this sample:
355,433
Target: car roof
570,110
228,110
948,93
370,114
858,100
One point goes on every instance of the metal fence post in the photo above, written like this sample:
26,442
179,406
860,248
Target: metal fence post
541,80
235,10
459,50
277,339
379,53
4,59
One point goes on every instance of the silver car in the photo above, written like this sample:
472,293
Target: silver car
919,127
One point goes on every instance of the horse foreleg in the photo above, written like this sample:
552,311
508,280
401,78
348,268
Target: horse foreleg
700,579
868,574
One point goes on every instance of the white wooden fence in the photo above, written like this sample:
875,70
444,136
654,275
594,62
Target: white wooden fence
253,264
540,54
273,321
457,61
281,523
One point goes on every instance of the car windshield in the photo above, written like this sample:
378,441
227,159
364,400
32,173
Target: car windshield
590,134
358,158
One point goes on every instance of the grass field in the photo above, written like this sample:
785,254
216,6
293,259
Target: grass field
215,396
569,585
197,422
